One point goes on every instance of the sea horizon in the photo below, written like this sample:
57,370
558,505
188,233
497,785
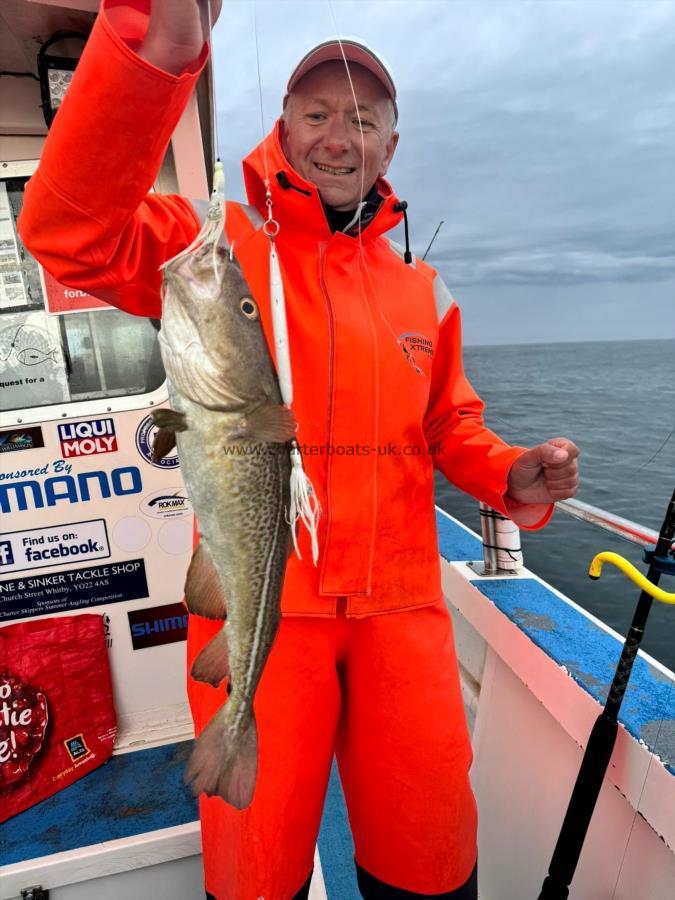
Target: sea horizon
549,343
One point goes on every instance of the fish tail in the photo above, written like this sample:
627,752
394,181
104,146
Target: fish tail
225,765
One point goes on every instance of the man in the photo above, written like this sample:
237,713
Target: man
364,662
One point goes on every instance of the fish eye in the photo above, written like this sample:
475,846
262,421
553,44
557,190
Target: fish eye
248,307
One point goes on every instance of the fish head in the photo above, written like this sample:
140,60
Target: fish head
212,342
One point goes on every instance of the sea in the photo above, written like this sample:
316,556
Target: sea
616,401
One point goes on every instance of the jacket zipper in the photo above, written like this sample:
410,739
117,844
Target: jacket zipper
331,363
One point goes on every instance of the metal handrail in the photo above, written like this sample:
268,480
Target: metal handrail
629,531
624,528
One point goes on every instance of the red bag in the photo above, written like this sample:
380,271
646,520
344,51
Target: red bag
57,719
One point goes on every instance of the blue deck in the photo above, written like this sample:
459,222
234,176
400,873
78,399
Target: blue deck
119,800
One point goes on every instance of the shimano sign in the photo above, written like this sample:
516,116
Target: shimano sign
97,485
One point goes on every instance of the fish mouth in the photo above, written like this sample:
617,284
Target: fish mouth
182,330
338,171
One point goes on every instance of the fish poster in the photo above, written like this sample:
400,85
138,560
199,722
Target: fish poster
32,364
12,291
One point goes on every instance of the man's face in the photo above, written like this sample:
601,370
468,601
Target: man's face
323,141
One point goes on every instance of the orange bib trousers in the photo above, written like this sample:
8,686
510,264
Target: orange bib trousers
383,694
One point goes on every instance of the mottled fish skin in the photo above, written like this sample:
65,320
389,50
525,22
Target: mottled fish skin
219,371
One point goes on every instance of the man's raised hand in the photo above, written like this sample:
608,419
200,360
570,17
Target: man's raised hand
176,32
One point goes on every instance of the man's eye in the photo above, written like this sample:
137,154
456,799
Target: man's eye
364,124
316,117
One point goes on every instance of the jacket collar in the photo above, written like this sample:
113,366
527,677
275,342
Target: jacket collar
296,203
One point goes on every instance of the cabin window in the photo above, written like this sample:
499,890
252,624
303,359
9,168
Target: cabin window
59,345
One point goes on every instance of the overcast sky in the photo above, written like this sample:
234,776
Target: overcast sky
541,131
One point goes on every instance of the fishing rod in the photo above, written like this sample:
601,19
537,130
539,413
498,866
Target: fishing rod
601,742
432,240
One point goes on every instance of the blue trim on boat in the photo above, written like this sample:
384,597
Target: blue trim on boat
122,798
590,655
455,543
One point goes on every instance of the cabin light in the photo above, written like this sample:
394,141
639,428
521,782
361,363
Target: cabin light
55,73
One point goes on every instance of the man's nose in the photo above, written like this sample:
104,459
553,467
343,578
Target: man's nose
337,139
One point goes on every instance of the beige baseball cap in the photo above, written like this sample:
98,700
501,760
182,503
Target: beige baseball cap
353,51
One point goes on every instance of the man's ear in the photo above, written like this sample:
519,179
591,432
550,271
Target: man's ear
392,144
283,131
283,126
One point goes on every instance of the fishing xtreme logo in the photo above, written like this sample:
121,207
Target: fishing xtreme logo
417,349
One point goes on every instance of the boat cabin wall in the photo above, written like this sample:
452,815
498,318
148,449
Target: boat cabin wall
88,522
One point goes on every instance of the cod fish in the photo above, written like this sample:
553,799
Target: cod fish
231,430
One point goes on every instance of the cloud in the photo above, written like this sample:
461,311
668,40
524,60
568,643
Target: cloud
541,133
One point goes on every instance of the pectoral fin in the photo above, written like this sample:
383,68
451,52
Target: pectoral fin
272,423
203,591
212,664
168,421
163,443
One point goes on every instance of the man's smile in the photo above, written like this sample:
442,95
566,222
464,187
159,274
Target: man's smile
334,170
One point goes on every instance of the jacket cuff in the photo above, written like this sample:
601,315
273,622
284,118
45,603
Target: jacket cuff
514,508
128,21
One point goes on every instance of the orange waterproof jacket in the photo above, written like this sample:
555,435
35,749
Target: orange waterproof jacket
380,393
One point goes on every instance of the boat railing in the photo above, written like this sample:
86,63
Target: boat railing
498,560
625,528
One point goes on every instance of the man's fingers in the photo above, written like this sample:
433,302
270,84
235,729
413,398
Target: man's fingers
558,453
564,484
564,444
561,473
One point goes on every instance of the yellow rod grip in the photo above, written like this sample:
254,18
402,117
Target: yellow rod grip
631,572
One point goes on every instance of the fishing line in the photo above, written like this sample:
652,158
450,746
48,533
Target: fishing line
260,92
213,227
362,255
658,452
212,82
304,505
358,116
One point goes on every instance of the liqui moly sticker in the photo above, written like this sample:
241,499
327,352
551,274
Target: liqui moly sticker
87,438
37,548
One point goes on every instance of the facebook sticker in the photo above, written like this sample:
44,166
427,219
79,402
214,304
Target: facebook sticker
6,554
